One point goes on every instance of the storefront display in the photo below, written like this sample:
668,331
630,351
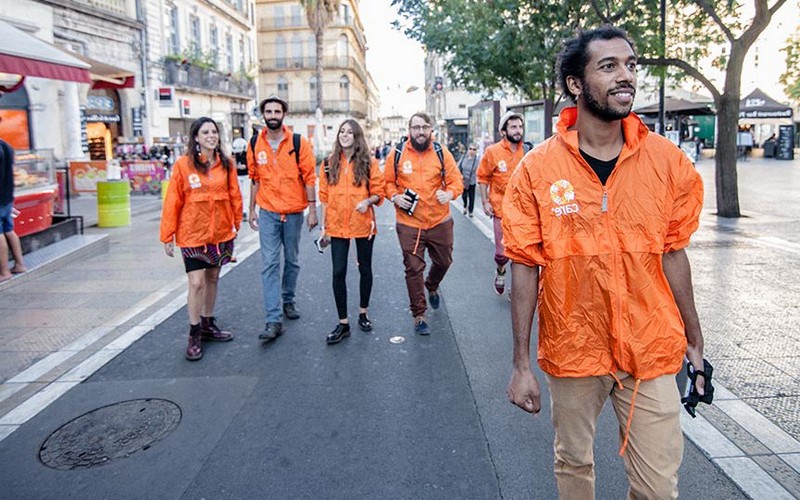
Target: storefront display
145,176
34,190
84,175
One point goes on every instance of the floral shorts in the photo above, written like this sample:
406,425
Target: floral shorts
207,256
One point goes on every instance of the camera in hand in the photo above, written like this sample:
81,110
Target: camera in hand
414,197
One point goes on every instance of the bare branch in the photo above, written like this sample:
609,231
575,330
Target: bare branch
686,68
703,4
777,6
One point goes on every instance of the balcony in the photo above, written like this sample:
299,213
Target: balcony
309,63
353,108
209,81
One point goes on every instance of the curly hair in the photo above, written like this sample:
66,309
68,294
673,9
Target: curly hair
574,53
202,164
361,156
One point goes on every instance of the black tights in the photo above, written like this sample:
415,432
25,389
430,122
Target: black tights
468,197
339,250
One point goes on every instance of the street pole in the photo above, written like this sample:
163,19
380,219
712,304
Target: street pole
662,33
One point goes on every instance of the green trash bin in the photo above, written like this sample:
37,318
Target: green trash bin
113,203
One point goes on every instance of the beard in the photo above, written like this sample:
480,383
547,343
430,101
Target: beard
603,111
421,146
513,139
274,124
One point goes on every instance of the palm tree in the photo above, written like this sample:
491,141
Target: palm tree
320,13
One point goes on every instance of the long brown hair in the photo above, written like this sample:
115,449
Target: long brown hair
194,148
361,156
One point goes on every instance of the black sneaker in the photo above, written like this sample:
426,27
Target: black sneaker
364,323
289,311
433,298
271,332
341,331
421,326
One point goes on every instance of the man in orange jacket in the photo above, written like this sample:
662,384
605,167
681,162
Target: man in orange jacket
284,182
606,208
421,184
496,166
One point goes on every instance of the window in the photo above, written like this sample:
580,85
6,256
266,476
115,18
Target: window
297,17
342,47
344,89
241,53
229,51
344,13
297,51
312,46
278,15
195,42
283,88
213,42
312,91
280,52
174,38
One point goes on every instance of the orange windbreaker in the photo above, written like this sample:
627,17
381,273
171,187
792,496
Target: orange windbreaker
422,173
201,209
281,180
342,220
495,169
605,304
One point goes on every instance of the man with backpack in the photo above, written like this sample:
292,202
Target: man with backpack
281,166
498,162
420,182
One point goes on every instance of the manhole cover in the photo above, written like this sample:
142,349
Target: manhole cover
109,433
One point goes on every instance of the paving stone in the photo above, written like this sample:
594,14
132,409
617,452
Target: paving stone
781,472
783,411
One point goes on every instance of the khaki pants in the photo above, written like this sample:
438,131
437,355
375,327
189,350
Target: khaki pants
655,440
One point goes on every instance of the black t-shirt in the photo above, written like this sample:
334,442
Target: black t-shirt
602,168
6,173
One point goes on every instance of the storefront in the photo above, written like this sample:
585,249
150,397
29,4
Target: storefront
103,123
15,125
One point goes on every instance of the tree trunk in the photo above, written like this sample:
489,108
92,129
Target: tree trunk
318,38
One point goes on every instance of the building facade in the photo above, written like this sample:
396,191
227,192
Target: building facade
287,67
200,62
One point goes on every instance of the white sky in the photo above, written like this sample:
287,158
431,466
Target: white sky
395,62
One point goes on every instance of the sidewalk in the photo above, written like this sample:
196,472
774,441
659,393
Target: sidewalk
421,419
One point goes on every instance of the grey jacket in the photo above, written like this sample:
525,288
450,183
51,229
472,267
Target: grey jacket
469,168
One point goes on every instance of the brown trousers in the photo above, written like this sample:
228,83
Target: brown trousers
655,442
438,240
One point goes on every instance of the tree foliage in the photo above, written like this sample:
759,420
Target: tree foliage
791,78
494,44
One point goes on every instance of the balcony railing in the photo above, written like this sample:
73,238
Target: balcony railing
330,62
354,108
115,6
201,79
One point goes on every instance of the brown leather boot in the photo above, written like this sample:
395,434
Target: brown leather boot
210,331
194,350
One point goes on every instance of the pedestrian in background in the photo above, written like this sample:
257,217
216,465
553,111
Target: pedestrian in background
468,166
606,208
420,182
350,184
9,239
202,215
281,165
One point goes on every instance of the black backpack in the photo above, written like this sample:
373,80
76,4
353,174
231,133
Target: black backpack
398,151
295,146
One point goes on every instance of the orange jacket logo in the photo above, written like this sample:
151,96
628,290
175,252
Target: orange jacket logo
194,181
563,195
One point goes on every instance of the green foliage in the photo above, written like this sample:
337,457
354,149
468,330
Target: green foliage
791,77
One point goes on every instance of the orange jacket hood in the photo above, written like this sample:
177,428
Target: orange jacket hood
280,180
605,304
201,209
342,220
496,166
422,173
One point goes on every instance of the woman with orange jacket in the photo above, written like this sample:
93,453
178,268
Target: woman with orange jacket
202,214
351,183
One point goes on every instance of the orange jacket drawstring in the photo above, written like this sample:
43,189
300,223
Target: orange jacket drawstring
630,416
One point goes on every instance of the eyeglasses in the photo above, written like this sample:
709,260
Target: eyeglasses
472,149
420,128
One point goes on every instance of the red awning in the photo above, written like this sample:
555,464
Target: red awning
106,76
26,55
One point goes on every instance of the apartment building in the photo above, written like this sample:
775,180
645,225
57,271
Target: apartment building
287,67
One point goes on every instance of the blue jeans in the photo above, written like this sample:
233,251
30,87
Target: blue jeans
274,233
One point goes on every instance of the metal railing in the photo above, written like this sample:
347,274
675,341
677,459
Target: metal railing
354,108
329,62
195,77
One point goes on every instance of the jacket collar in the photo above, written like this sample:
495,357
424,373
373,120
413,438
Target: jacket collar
633,129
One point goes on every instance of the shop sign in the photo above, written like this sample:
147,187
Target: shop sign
84,133
165,96
145,176
136,121
186,107
102,117
100,103
84,175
